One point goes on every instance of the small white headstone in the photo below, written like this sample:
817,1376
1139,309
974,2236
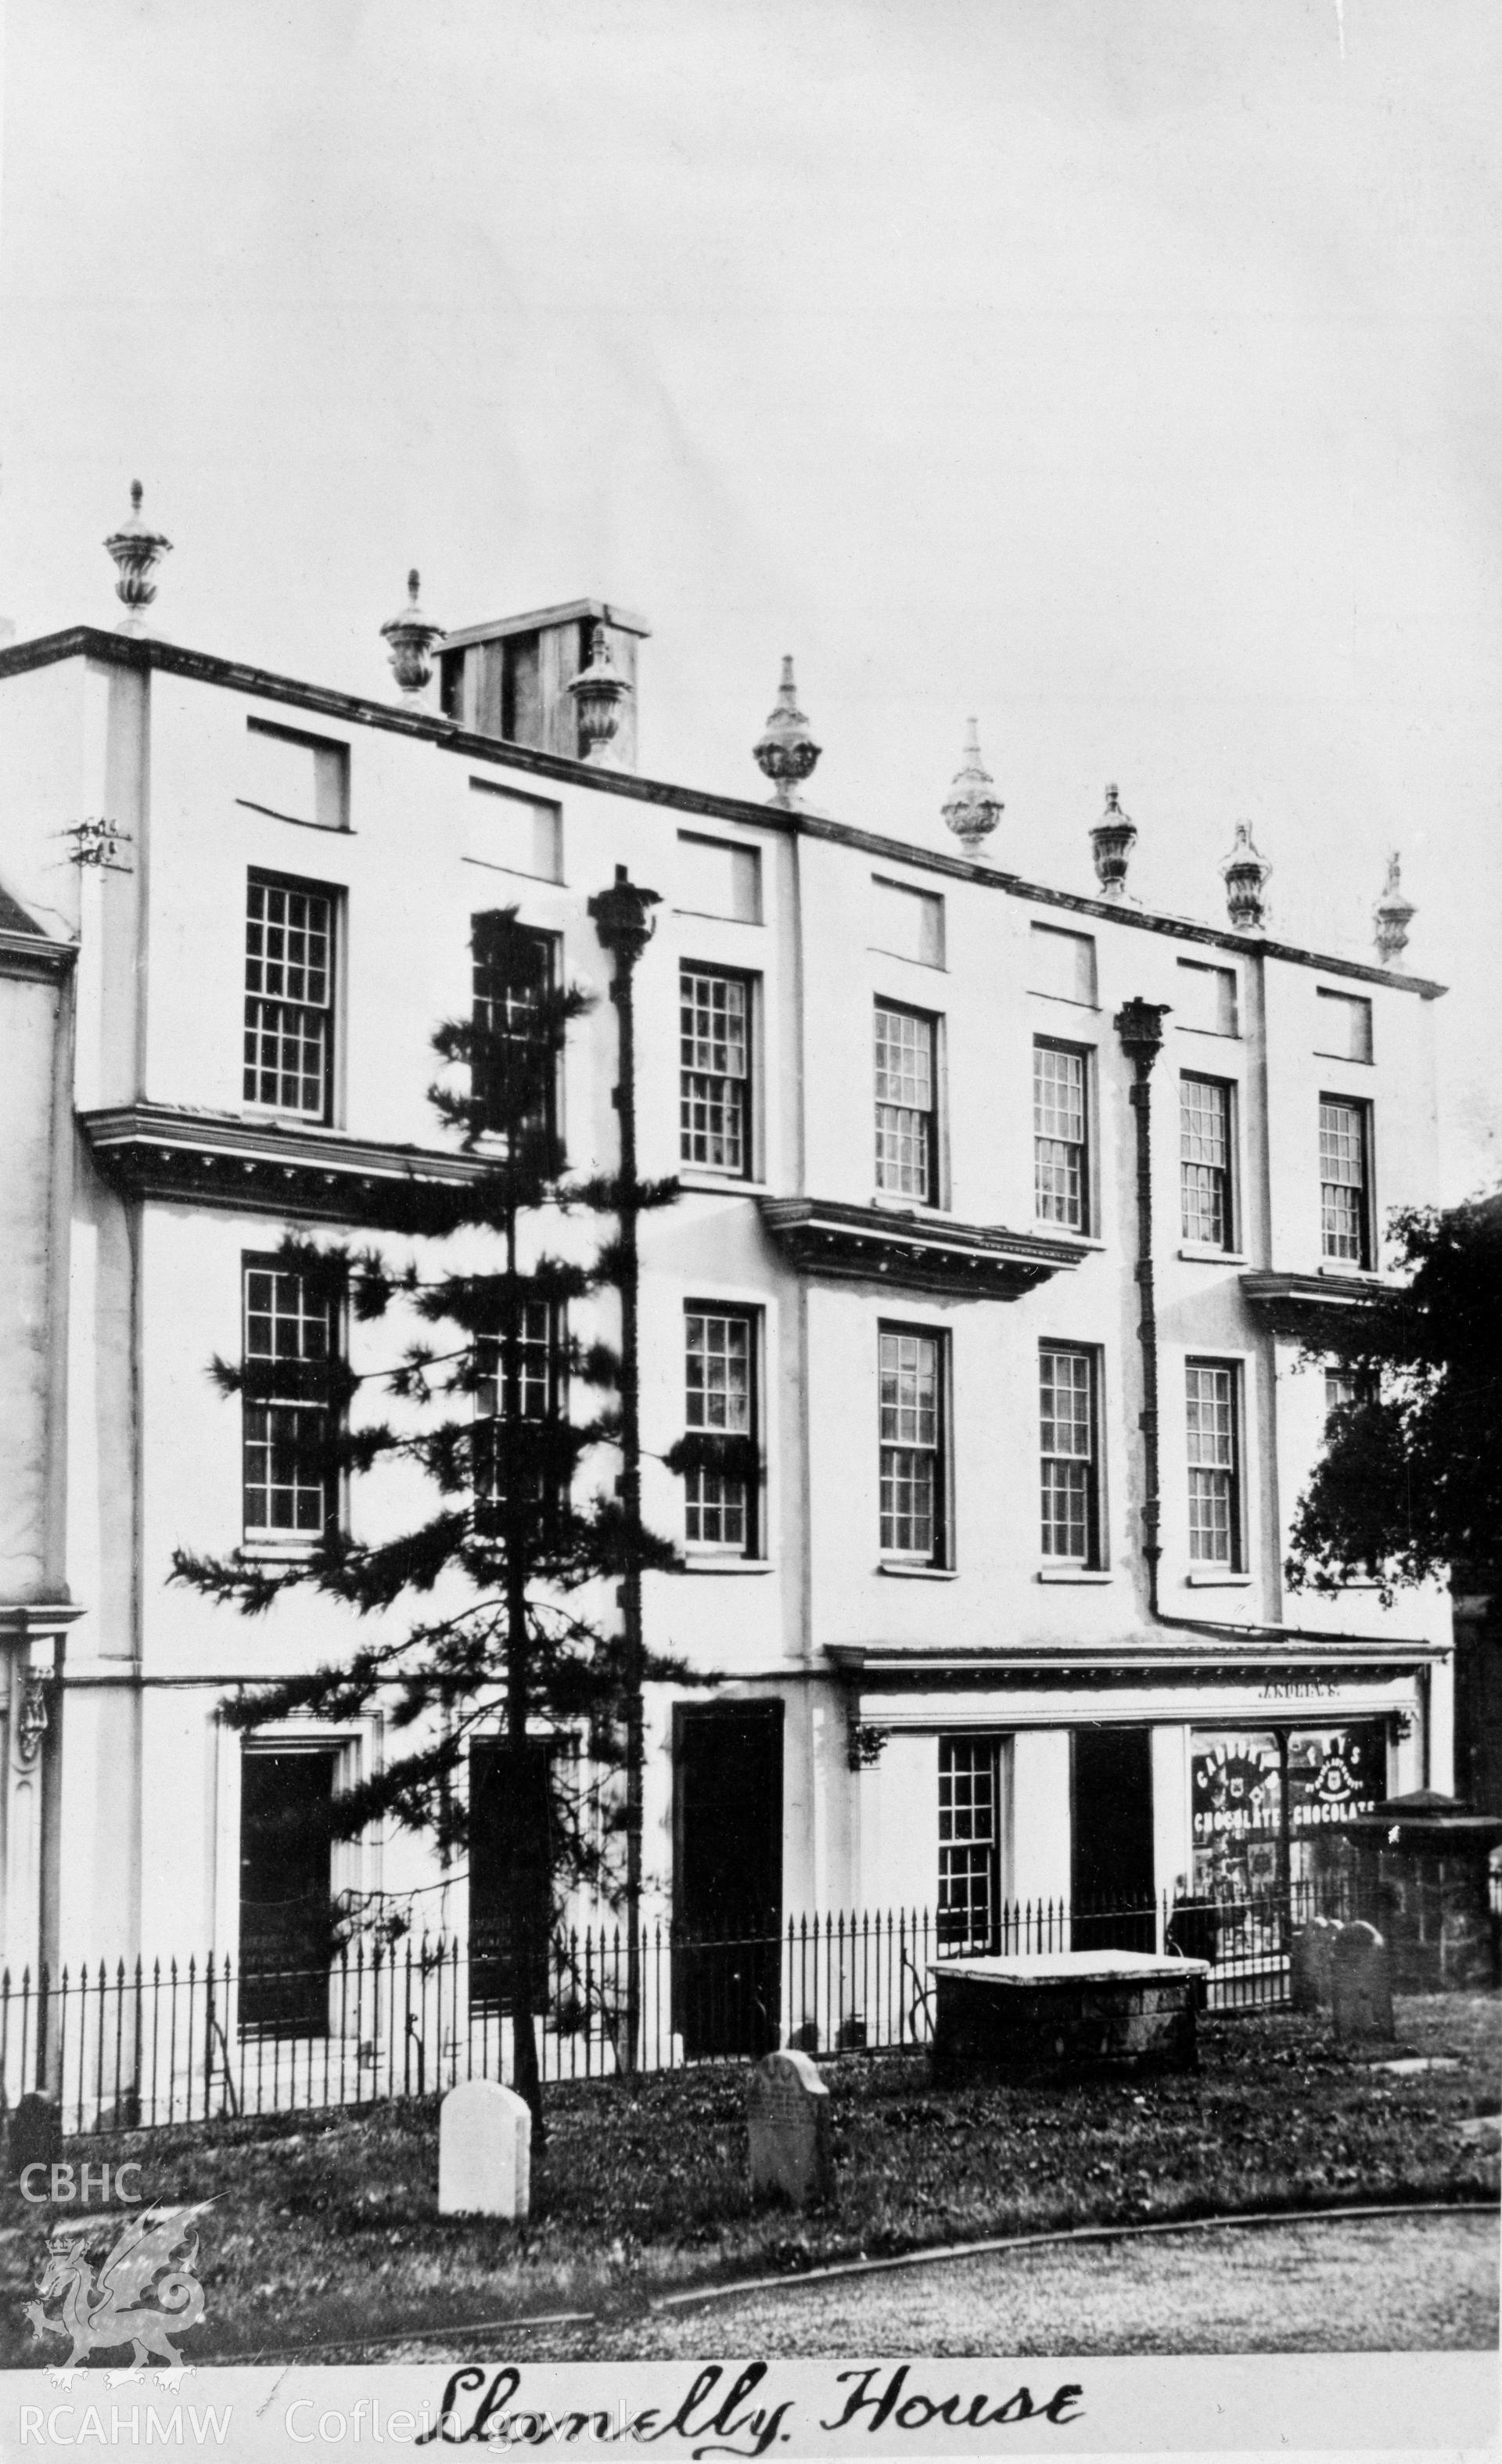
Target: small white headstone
787,2107
484,2152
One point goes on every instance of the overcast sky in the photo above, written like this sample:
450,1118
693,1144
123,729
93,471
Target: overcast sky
1127,375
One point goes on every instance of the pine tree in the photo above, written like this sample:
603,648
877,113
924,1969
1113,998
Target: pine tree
512,1543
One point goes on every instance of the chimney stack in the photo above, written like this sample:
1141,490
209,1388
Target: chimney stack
514,678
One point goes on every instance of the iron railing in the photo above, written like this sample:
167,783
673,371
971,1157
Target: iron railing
132,2046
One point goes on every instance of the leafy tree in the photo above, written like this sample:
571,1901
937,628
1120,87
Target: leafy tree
1410,1482
509,1548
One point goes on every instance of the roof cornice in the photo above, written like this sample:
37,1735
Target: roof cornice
120,650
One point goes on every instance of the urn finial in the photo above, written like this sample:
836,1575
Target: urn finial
785,751
137,553
1246,874
1393,914
598,692
412,636
1112,840
973,807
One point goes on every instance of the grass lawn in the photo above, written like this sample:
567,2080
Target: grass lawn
326,2226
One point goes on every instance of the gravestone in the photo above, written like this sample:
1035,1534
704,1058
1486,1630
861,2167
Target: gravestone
1361,1983
1309,1967
787,2107
484,2152
35,2134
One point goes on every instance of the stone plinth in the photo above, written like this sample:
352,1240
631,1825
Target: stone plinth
1070,2009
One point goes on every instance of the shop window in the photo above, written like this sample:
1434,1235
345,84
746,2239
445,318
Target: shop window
1265,1802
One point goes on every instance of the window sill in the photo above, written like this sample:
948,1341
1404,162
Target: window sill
1066,1232
1065,1000
706,1563
1203,1253
892,1202
717,915
1073,1575
907,1573
1333,1272
281,1553
1221,1034
1218,1578
721,1184
1357,1060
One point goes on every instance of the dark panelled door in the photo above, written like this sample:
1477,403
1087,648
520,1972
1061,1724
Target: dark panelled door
511,1867
1113,1841
727,1891
284,1892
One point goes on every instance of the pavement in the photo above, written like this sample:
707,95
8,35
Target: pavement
1387,2283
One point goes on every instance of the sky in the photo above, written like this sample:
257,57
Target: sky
1126,377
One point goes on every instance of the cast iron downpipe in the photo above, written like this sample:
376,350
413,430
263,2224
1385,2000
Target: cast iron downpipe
622,919
1140,1025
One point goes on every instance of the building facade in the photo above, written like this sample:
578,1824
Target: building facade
1007,1217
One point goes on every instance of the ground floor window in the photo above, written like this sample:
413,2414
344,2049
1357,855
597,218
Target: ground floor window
969,1843
1262,1797
286,1909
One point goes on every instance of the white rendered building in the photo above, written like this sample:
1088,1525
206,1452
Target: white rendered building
905,1266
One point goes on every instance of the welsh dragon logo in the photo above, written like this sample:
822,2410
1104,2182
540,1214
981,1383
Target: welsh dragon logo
145,2284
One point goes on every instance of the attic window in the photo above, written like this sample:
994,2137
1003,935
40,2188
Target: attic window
294,778
1204,998
716,878
1344,1026
909,923
1062,965
513,833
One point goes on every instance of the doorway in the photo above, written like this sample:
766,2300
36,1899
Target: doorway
285,1915
511,1872
1112,1858
728,1881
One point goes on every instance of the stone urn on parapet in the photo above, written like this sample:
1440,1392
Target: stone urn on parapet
137,552
785,751
598,692
973,807
412,637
